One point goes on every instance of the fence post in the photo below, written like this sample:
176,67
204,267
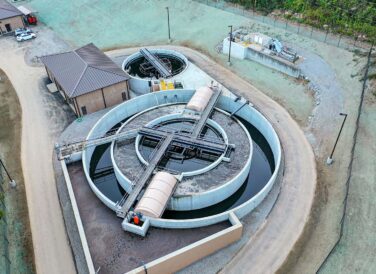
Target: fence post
298,27
339,40
326,35
311,32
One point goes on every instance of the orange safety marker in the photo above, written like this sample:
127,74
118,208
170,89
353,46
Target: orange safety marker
136,220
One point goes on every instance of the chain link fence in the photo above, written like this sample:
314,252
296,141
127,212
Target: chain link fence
4,243
322,35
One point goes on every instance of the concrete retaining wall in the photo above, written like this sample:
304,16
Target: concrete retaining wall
237,50
241,52
76,213
187,255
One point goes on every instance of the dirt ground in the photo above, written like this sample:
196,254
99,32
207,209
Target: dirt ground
356,251
19,234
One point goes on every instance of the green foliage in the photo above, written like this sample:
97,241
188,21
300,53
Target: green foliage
348,17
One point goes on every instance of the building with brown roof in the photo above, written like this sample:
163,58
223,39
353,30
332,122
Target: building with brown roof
10,17
87,78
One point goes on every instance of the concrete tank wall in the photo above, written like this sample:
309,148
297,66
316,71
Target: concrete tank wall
142,85
259,121
214,196
262,124
207,198
116,115
162,119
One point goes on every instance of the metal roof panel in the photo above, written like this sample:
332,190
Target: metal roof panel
84,70
7,10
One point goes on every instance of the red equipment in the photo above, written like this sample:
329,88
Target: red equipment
32,20
136,220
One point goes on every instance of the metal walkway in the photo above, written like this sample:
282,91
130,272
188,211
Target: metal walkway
185,139
126,203
206,114
156,63
65,151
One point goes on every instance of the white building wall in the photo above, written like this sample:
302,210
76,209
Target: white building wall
237,50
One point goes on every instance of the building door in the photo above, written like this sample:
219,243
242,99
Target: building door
8,27
124,96
83,110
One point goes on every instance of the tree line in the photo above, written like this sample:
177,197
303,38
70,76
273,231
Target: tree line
355,18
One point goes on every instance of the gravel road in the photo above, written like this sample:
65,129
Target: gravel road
51,247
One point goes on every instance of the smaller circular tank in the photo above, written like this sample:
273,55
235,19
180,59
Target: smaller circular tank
144,78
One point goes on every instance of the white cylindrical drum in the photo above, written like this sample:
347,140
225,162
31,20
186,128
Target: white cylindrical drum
200,99
157,194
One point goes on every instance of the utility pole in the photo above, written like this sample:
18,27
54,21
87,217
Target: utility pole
168,24
329,161
229,49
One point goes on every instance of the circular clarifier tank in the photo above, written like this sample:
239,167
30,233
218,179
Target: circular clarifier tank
206,178
208,185
141,68
142,72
